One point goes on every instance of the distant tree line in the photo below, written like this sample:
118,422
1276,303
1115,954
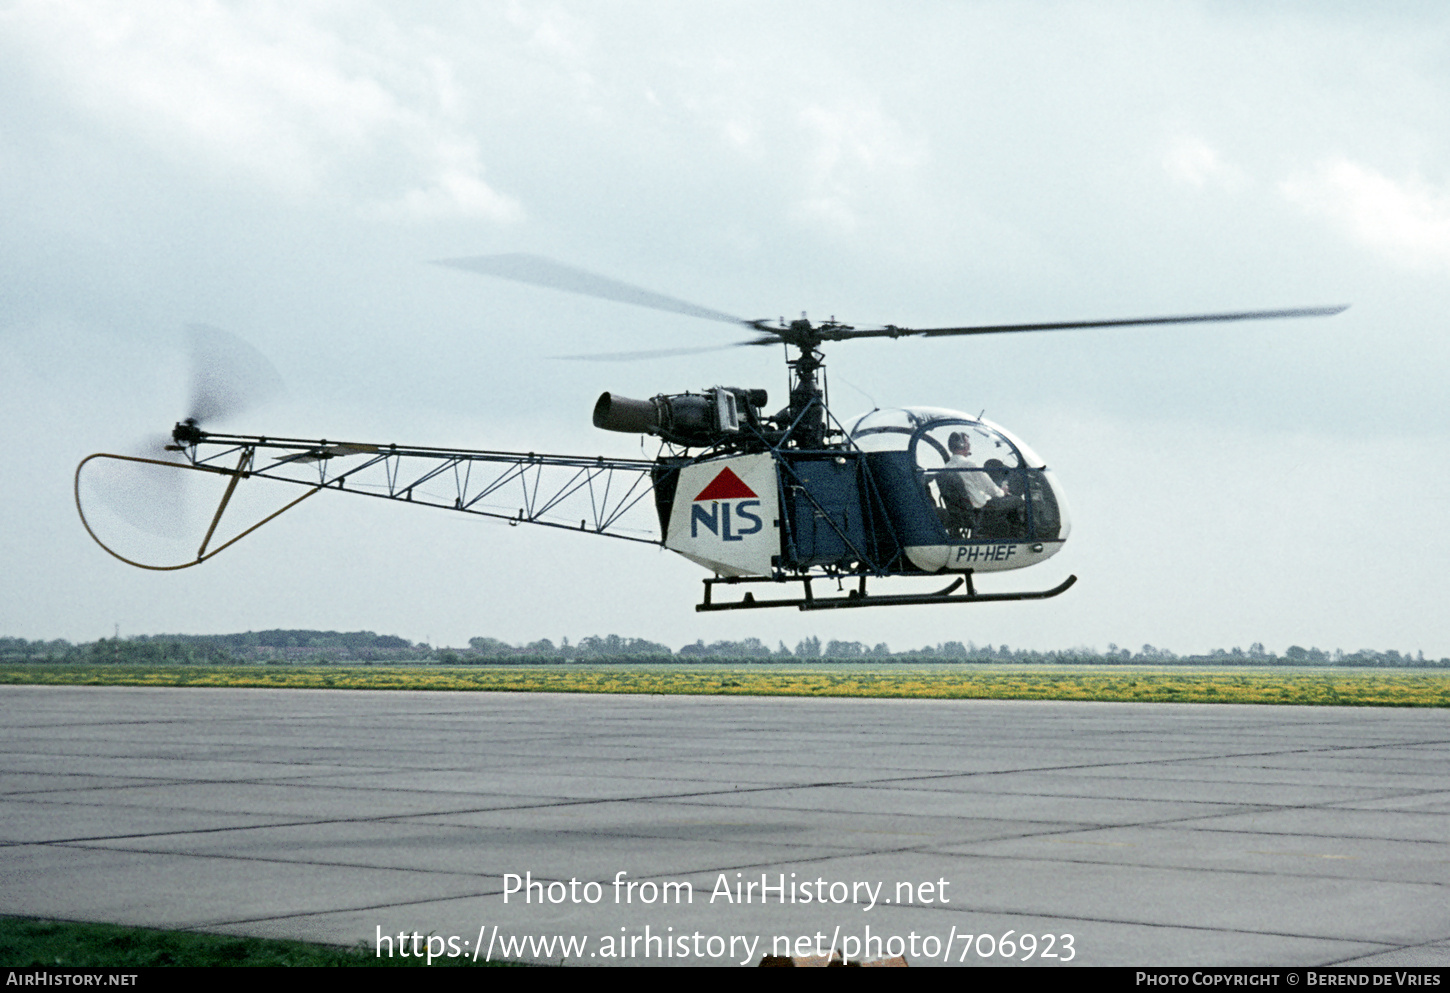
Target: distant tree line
281,646
204,649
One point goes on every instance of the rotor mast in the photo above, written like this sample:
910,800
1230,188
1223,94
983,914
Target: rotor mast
807,399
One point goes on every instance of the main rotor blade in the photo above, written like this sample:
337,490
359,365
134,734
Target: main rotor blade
659,353
538,271
1243,315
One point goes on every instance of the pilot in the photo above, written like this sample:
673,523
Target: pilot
967,490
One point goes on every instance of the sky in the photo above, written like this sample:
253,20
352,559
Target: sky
289,172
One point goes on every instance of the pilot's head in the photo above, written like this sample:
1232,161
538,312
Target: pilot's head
959,443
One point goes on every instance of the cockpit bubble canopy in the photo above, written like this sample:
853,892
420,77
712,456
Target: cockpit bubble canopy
928,430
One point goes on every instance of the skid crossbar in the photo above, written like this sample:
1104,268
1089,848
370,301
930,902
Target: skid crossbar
860,598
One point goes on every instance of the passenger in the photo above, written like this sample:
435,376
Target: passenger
1002,517
998,473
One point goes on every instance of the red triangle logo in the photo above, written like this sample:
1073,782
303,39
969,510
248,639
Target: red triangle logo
726,486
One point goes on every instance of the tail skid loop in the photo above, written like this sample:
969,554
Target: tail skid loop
237,475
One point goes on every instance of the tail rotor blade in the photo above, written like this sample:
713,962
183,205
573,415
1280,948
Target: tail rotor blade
150,498
229,376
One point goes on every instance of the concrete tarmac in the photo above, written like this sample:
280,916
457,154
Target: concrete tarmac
959,832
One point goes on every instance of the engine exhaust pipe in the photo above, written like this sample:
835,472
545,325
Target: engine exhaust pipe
617,413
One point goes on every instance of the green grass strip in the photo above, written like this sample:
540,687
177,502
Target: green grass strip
1316,686
27,943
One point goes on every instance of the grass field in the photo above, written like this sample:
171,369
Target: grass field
50,944
1316,686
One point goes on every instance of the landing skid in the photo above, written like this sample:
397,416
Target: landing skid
860,598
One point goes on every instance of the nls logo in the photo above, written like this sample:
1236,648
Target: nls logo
727,494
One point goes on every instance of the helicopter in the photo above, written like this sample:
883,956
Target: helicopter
758,498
